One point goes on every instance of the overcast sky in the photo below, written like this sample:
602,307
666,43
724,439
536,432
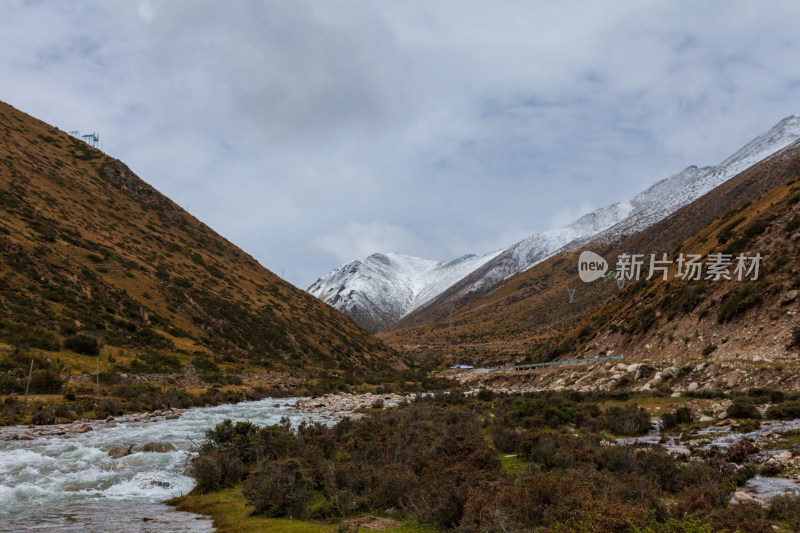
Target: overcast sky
314,133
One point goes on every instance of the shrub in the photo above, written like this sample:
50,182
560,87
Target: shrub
784,411
737,302
738,452
277,489
216,469
24,336
626,421
787,508
681,415
743,409
108,407
82,344
44,417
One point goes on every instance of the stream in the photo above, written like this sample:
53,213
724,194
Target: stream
69,482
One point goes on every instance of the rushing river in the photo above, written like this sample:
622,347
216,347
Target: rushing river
69,483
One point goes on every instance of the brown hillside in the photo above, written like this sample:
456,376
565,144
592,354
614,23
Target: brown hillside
90,249
530,317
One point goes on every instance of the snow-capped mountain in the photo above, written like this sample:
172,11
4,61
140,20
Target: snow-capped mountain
379,290
383,288
671,198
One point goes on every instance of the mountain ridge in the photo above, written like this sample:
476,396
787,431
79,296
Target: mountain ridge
612,221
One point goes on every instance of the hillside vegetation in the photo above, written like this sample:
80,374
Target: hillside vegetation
97,262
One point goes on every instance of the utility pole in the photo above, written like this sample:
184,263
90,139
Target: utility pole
27,387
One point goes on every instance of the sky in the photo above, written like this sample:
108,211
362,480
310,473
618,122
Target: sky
311,134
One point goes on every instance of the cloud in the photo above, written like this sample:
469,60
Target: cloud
314,133
357,240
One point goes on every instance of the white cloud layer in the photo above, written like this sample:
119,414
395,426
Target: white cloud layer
312,133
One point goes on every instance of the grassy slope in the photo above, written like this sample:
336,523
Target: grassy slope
88,247
527,316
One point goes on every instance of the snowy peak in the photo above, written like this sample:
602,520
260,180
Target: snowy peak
381,289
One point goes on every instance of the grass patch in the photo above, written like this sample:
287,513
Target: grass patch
232,514
512,464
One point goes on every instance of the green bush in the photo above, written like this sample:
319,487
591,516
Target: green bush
108,407
277,489
216,469
22,335
682,415
784,411
738,301
82,344
743,409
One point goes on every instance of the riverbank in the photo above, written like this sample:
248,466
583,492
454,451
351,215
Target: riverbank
80,482
231,513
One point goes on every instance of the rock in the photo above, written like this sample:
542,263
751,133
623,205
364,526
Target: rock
722,416
784,456
158,447
742,498
669,373
633,368
706,418
693,386
109,419
621,367
173,416
756,359
675,395
700,367
118,452
789,296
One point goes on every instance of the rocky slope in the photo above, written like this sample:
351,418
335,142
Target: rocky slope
91,251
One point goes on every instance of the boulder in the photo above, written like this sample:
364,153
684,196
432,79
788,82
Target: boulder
742,498
693,386
117,452
158,447
789,296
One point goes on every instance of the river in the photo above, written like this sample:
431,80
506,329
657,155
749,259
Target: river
69,483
